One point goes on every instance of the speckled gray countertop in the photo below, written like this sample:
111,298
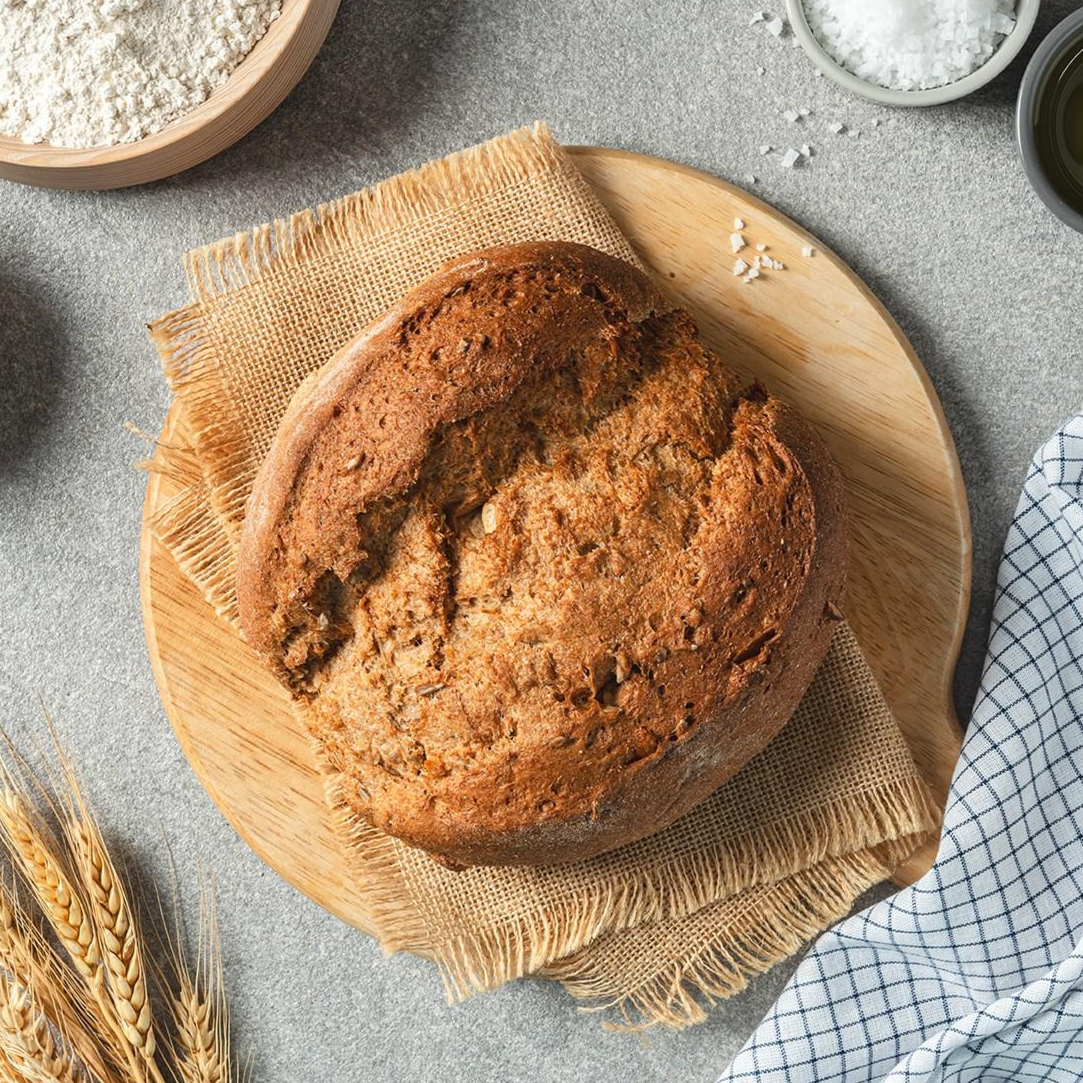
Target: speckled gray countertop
930,207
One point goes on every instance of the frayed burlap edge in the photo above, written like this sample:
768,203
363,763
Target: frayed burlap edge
199,544
471,961
788,916
438,186
189,360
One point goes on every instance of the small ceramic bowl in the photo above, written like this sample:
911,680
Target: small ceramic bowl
1026,11
1060,38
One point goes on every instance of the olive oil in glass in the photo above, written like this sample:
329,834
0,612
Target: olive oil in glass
1058,125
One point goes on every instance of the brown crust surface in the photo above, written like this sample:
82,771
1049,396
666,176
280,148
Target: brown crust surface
545,572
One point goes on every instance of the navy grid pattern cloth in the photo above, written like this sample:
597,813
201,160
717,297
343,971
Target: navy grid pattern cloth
976,971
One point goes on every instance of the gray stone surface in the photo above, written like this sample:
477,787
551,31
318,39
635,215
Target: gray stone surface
930,207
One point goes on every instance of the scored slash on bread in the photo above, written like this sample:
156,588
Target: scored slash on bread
544,573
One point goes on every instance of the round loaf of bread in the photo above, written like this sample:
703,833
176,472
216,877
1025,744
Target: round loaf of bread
545,571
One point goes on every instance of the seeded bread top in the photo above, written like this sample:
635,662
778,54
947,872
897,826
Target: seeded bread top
545,572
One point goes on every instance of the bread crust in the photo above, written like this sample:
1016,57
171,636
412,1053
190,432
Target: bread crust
545,571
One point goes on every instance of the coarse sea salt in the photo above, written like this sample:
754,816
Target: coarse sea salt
790,158
910,44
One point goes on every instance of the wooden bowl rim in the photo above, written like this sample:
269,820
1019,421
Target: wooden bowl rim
245,79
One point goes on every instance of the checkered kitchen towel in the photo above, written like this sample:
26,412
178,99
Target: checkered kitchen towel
976,971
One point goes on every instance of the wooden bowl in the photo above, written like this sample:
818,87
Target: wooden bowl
255,88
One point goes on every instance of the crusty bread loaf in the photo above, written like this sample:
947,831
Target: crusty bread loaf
546,573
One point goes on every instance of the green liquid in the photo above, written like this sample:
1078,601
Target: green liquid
1058,126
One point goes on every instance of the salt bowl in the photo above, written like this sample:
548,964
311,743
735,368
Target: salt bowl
1026,11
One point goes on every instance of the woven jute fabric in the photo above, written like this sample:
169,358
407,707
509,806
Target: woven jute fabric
658,928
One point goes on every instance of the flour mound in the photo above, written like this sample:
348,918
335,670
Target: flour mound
89,73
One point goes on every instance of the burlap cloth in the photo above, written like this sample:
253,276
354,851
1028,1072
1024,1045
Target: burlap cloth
659,928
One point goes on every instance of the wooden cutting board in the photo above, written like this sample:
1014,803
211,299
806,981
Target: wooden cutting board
815,334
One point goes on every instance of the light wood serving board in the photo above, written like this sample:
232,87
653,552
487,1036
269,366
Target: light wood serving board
814,333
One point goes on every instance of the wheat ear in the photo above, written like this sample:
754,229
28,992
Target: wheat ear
199,1009
58,898
117,937
69,918
33,965
116,930
27,1041
199,1039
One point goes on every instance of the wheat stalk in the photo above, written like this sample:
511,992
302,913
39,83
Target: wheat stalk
69,918
27,1041
117,938
58,898
199,1039
76,1007
32,965
199,1009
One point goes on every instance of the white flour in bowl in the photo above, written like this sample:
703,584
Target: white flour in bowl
88,73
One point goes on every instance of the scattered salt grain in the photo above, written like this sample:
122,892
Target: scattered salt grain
751,178
910,44
738,224
807,250
790,158
853,133
739,268
761,248
775,27
836,127
754,273
765,148
737,242
757,17
791,115
876,123
804,112
760,69
806,150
